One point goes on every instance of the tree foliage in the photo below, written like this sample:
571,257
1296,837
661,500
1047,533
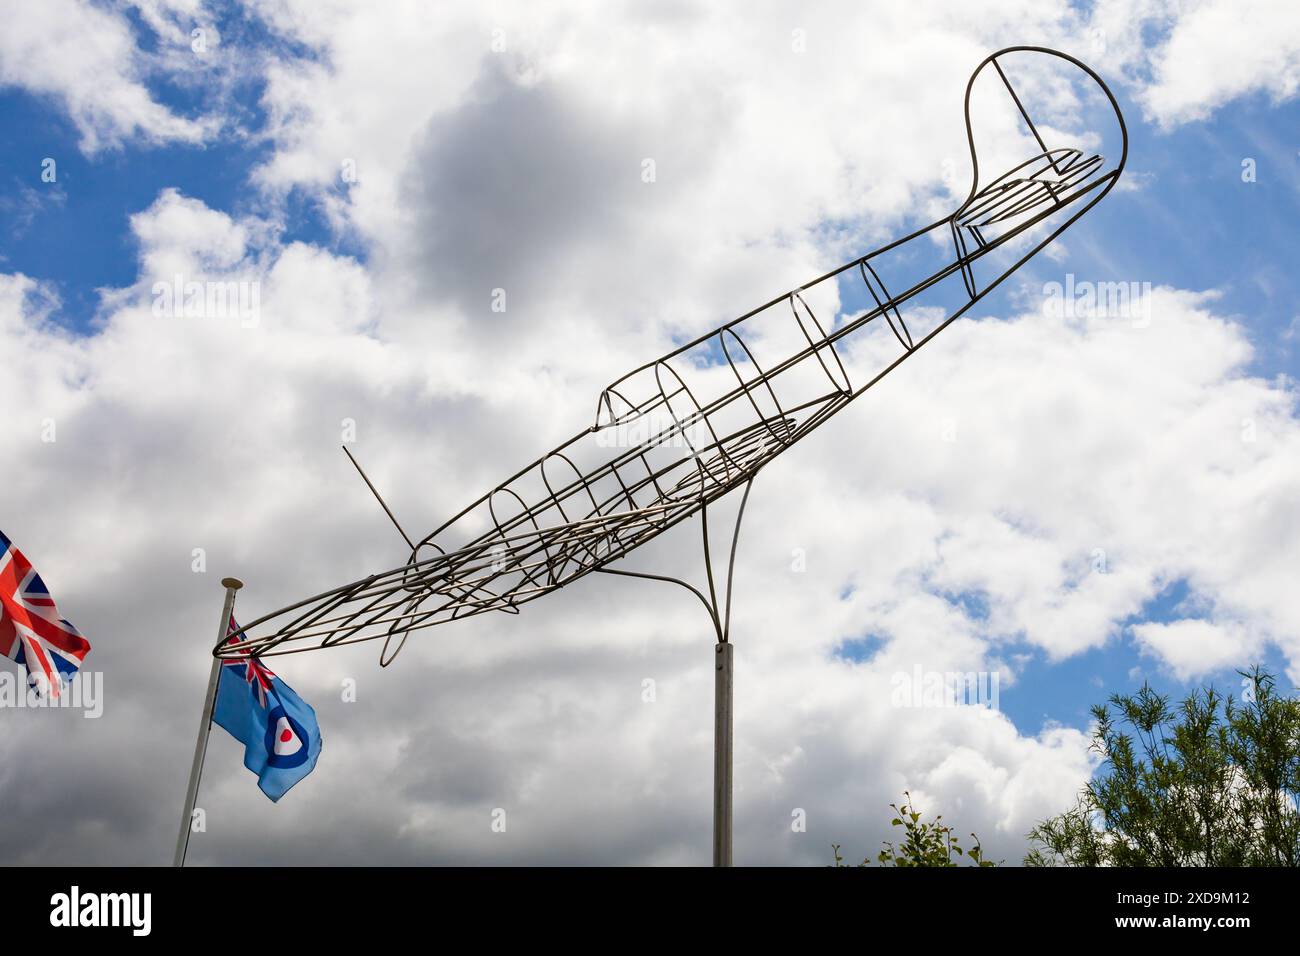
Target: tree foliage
923,843
1214,782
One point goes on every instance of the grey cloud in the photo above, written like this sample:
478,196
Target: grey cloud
505,187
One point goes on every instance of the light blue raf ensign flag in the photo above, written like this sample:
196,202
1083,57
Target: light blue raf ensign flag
278,728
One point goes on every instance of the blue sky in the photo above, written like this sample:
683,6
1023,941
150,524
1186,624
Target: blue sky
1195,225
1228,234
249,473
75,233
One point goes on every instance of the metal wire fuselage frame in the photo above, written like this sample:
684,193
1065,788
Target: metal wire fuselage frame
595,516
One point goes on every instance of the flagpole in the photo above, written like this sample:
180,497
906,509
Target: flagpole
205,724
722,765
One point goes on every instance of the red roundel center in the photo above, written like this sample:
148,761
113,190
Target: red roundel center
286,735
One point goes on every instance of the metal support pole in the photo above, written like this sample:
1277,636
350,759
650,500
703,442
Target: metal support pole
205,724
722,684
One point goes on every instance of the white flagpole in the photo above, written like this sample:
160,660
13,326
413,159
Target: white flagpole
205,725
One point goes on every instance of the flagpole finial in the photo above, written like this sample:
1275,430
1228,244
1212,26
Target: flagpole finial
233,584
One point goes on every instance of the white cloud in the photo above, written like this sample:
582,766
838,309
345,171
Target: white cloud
1072,435
84,56
175,434
1194,648
1206,53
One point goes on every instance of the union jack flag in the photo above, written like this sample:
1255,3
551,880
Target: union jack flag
31,631
249,669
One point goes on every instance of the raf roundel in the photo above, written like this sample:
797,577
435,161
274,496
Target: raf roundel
286,740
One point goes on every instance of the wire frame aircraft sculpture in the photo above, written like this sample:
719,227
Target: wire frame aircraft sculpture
704,419
679,433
